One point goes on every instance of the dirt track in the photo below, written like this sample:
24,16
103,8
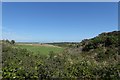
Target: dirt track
47,45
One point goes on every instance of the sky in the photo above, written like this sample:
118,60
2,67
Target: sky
57,21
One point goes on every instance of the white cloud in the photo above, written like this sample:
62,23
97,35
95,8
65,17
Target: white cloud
11,35
14,36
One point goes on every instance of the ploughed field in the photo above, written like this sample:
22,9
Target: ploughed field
41,48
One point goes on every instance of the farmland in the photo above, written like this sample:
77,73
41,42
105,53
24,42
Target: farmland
41,48
95,58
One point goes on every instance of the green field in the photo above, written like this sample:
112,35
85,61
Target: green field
41,49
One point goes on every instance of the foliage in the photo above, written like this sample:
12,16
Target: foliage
99,59
12,41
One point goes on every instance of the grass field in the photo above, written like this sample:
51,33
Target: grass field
41,49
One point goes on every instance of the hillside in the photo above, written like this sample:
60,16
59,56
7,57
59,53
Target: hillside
106,40
96,58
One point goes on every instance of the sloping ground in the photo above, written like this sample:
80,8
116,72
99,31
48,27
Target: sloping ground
106,40
103,47
0,59
97,58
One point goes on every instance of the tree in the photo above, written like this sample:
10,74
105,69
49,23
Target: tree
7,41
12,42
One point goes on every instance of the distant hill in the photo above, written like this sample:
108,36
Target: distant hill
103,46
109,39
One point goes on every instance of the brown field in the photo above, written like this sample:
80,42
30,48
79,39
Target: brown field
45,45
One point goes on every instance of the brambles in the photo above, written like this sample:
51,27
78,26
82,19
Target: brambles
98,59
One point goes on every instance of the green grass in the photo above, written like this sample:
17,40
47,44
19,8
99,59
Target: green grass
41,49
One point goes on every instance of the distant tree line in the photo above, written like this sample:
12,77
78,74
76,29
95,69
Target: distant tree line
8,41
